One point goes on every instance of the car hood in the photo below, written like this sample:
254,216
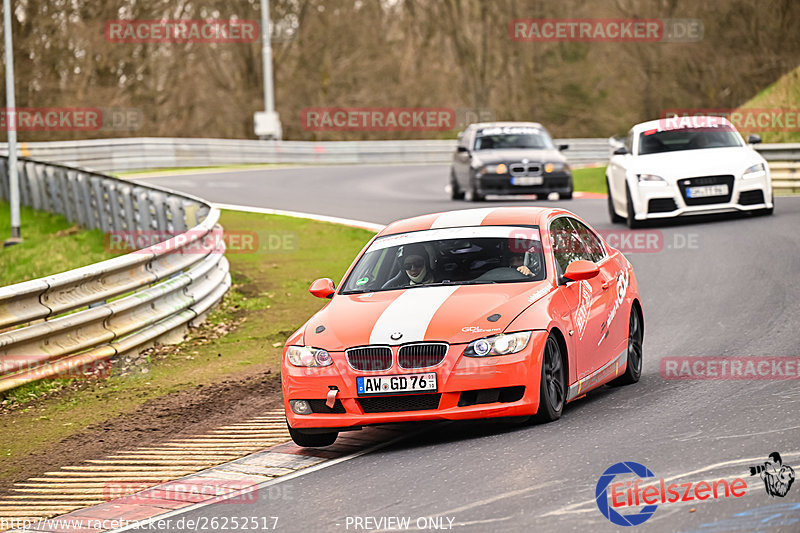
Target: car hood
454,314
485,157
673,166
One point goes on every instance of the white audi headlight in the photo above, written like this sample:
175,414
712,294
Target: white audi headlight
756,171
504,344
308,356
651,179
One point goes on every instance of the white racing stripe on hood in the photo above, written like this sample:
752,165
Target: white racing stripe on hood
410,314
468,217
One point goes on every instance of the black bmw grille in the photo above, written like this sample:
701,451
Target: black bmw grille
706,180
421,355
370,357
393,404
522,169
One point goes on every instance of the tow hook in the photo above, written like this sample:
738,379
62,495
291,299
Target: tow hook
331,401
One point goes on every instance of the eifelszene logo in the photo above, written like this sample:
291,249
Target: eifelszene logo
777,477
634,493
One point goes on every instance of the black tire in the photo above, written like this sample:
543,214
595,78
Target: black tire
565,196
631,219
553,383
635,337
615,218
312,440
455,191
474,195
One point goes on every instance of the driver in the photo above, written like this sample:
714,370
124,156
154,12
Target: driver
414,268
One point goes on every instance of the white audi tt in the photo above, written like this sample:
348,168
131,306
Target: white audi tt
686,166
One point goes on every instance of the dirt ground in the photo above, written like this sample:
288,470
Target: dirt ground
181,414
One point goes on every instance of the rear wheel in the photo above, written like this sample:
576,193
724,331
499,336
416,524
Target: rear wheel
552,386
312,440
635,337
612,214
631,220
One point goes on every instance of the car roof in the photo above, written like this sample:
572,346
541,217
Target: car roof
658,124
478,125
486,216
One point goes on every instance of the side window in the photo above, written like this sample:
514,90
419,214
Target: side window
592,244
629,142
567,245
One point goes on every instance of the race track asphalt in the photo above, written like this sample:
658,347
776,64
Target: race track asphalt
722,286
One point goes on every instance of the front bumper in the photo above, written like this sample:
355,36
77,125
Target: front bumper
456,374
667,201
560,182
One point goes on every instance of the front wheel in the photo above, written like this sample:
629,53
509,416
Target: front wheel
312,440
635,337
455,191
612,214
552,386
474,195
631,219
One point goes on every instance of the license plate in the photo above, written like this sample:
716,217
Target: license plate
707,190
527,180
397,384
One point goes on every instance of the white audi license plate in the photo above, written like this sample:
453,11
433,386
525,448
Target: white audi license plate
707,190
527,180
397,384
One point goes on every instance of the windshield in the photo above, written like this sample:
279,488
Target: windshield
452,256
512,137
656,142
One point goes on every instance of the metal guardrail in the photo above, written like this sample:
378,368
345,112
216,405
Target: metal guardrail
115,155
56,324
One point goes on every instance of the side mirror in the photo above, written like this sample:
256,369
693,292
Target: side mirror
322,288
581,269
562,147
753,139
621,151
461,149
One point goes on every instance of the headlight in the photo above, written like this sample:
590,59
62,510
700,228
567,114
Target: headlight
495,169
555,167
504,344
651,179
756,171
308,356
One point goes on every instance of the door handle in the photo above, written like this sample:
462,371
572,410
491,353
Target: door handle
606,285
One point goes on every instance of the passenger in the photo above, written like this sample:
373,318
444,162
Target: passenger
414,268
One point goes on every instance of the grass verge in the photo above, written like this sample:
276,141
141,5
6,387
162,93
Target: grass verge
50,245
268,302
590,179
